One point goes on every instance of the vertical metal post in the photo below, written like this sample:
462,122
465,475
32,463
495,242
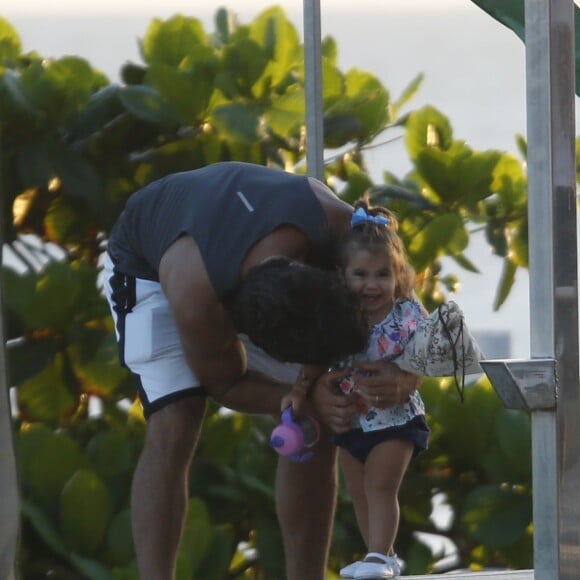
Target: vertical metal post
9,500
9,496
313,80
550,65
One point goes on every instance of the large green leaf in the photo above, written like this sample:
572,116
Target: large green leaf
426,128
110,454
464,439
268,541
386,194
102,108
46,471
147,104
15,105
497,515
84,511
452,170
510,183
10,44
33,162
358,183
95,360
60,87
48,157
457,173
223,435
443,235
44,527
78,176
119,539
179,155
239,122
369,101
196,538
514,437
170,41
341,128
59,292
286,114
186,94
408,93
507,280
244,60
333,83
47,395
68,220
27,357
91,569
28,439
19,289
217,559
278,37
517,239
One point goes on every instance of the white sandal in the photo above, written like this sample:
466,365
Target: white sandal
348,571
388,567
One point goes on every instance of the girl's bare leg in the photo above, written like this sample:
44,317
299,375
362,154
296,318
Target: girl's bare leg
384,470
354,477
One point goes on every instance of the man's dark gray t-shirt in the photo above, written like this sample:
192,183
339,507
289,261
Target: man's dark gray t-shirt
225,207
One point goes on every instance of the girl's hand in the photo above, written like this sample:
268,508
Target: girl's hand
383,384
296,399
335,409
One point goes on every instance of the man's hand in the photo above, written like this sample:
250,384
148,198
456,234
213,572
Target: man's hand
384,384
335,409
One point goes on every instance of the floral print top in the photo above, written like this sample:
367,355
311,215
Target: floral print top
388,339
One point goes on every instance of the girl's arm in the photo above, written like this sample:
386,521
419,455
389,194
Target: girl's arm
301,388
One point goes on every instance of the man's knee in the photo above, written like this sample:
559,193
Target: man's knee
174,430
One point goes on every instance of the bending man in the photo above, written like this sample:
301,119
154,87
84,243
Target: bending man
198,262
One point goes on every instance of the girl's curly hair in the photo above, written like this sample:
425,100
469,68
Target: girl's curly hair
374,236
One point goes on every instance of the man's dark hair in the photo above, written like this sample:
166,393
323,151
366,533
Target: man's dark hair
299,313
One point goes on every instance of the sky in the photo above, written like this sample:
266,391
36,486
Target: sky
80,6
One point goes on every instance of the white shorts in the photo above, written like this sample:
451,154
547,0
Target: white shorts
150,347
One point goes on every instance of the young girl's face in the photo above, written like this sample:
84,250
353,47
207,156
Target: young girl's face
371,276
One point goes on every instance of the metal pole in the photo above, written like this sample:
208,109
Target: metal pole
9,496
550,65
9,501
313,81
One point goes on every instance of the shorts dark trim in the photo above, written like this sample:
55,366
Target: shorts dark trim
151,407
359,443
123,298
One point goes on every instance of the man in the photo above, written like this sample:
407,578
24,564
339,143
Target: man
198,262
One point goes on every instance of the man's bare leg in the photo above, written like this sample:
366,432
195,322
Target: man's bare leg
159,491
305,503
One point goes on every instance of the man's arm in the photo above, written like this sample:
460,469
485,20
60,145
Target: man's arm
209,339
384,384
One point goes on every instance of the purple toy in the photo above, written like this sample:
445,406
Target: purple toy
295,435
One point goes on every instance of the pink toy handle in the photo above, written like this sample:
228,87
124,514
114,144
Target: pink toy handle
277,441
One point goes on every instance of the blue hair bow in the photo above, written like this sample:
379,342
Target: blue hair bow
360,216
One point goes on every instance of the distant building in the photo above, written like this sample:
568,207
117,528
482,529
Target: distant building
494,343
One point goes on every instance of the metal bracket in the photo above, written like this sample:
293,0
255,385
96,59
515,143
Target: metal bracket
523,384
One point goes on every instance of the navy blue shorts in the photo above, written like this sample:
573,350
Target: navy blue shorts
359,443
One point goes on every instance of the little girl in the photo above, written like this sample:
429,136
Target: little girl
375,453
